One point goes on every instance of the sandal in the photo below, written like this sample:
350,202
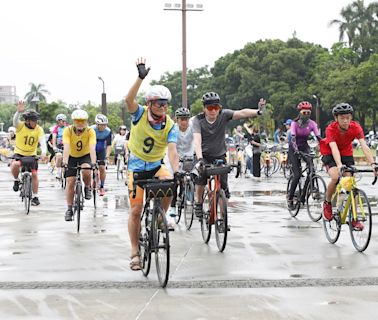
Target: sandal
135,263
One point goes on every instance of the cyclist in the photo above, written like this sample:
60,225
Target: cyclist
119,143
79,143
209,130
152,131
184,145
301,128
28,135
11,139
57,141
336,149
238,136
103,147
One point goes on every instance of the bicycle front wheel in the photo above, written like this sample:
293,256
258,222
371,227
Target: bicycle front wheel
160,236
94,190
221,223
145,241
179,203
188,204
332,228
315,195
360,225
296,199
77,206
27,189
119,168
206,211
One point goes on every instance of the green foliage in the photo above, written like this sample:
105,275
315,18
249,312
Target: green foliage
6,115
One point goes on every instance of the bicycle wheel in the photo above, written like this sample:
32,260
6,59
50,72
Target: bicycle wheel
188,204
179,203
94,189
145,240
27,189
221,221
275,164
296,198
315,195
361,236
332,228
63,179
77,205
205,220
160,236
119,168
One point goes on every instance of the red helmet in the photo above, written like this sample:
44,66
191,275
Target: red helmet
304,105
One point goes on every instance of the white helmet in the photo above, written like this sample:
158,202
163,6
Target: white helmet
158,92
79,115
101,119
61,116
11,129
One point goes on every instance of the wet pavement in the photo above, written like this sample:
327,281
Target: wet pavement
274,266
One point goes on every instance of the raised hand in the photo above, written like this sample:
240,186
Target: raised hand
141,65
261,105
21,106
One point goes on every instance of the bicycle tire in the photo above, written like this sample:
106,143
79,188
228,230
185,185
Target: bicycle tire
205,220
77,206
160,236
94,190
145,241
296,198
315,195
27,188
221,221
179,204
361,238
188,204
119,173
332,228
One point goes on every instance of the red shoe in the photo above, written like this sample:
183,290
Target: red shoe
357,225
327,211
101,192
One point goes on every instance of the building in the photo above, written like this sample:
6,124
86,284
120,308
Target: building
8,94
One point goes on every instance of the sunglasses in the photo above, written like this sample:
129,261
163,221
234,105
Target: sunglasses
306,112
77,121
159,103
213,107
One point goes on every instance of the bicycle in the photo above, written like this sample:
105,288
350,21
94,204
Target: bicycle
26,180
312,191
120,162
269,163
154,231
215,203
350,204
78,202
185,197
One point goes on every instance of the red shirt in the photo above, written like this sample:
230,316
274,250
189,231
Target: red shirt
343,139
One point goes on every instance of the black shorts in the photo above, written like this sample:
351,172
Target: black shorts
101,156
33,165
329,162
74,162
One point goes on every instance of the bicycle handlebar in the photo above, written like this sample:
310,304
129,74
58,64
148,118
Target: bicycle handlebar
355,170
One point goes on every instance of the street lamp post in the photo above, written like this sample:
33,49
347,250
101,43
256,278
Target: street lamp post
103,98
183,8
317,111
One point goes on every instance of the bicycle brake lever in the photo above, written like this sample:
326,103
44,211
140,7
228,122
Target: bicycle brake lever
374,181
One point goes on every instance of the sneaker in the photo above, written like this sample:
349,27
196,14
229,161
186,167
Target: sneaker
327,211
87,193
172,212
198,210
35,201
68,215
101,192
290,205
16,185
357,225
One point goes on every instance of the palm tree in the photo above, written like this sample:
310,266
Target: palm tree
36,93
360,25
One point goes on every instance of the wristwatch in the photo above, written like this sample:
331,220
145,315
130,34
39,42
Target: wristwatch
259,112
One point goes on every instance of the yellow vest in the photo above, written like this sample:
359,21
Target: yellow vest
79,144
147,143
27,139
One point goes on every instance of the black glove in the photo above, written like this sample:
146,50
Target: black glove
177,177
93,165
64,165
142,71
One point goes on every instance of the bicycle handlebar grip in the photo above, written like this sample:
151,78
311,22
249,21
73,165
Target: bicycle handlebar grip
374,181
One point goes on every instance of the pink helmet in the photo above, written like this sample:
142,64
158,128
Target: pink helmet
304,105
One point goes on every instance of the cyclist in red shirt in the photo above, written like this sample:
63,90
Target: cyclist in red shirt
337,151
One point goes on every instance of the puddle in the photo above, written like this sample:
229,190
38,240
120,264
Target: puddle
257,193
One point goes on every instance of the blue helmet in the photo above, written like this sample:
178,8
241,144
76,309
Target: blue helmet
288,122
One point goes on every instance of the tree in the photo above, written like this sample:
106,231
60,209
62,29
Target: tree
37,91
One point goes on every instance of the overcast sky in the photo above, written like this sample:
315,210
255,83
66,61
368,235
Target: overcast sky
67,44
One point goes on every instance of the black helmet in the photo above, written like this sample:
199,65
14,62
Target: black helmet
182,113
342,108
31,115
210,98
